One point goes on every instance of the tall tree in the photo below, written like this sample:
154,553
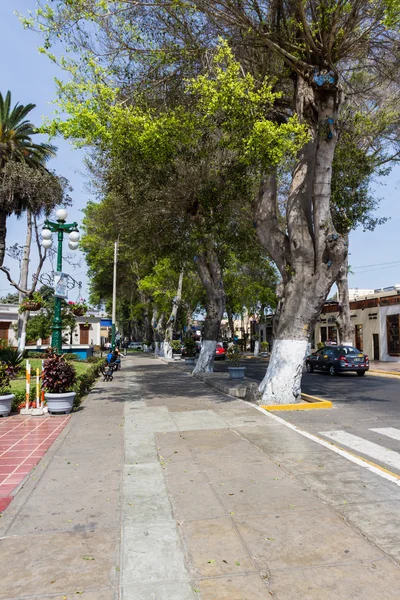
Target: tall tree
318,51
17,146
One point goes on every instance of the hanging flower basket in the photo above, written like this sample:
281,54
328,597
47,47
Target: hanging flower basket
78,308
32,304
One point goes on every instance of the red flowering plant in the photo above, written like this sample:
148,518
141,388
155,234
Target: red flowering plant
59,376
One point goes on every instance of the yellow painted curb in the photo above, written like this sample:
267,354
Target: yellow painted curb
313,403
391,373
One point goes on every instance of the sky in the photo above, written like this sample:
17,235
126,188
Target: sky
374,256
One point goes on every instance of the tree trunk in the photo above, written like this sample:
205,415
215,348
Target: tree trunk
231,322
309,253
211,276
23,282
177,300
3,234
256,347
343,321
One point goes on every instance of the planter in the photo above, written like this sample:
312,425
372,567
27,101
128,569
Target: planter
60,403
5,404
31,306
78,312
236,372
176,356
190,360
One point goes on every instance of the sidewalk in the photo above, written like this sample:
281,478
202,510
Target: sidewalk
215,501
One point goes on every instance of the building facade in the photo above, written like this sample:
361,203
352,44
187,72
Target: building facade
87,332
376,319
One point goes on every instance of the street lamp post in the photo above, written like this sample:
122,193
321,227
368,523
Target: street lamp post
60,227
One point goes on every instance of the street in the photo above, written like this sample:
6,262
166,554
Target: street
365,417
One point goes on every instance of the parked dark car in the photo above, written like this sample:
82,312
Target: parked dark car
338,359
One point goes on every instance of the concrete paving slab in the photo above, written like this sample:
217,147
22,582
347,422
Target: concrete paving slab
56,563
304,462
225,469
145,497
353,485
173,445
288,539
195,501
159,591
238,587
198,419
152,553
359,581
150,420
242,496
379,522
86,595
214,548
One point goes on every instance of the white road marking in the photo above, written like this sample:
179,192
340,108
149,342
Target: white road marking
354,459
391,432
371,449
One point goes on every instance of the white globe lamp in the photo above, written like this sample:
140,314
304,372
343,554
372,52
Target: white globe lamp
46,234
47,243
74,236
73,245
61,214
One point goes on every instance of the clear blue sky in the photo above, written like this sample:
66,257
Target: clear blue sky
30,76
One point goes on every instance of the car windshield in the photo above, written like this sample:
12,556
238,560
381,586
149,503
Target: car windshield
349,350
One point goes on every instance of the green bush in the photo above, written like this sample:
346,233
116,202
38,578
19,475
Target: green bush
233,354
72,357
176,346
33,354
264,346
93,359
85,381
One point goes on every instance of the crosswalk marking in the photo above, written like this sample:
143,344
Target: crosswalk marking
371,449
391,432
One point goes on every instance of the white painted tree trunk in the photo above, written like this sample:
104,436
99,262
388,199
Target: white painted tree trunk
23,282
256,347
282,381
177,300
167,350
156,348
205,362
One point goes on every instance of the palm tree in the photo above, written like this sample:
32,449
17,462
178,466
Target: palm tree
16,146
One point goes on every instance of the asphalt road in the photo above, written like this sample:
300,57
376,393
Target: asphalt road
360,406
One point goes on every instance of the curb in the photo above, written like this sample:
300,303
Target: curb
311,403
377,373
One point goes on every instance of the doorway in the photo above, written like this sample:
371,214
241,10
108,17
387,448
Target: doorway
375,337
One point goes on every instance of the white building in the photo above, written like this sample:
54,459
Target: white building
87,331
376,318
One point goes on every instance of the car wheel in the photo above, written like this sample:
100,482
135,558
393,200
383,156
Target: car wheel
310,368
332,370
360,373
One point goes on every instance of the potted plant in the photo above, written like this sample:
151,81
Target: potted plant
190,351
176,346
78,308
6,397
264,349
233,355
59,378
31,303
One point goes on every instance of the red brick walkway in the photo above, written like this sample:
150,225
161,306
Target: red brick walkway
23,442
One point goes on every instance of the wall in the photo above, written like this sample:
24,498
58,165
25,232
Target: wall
384,311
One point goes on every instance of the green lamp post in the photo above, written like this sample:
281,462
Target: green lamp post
60,227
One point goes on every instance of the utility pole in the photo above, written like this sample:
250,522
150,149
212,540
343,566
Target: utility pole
114,297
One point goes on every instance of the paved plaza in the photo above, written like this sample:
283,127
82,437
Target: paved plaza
162,488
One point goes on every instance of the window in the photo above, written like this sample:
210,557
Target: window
323,335
359,337
393,337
